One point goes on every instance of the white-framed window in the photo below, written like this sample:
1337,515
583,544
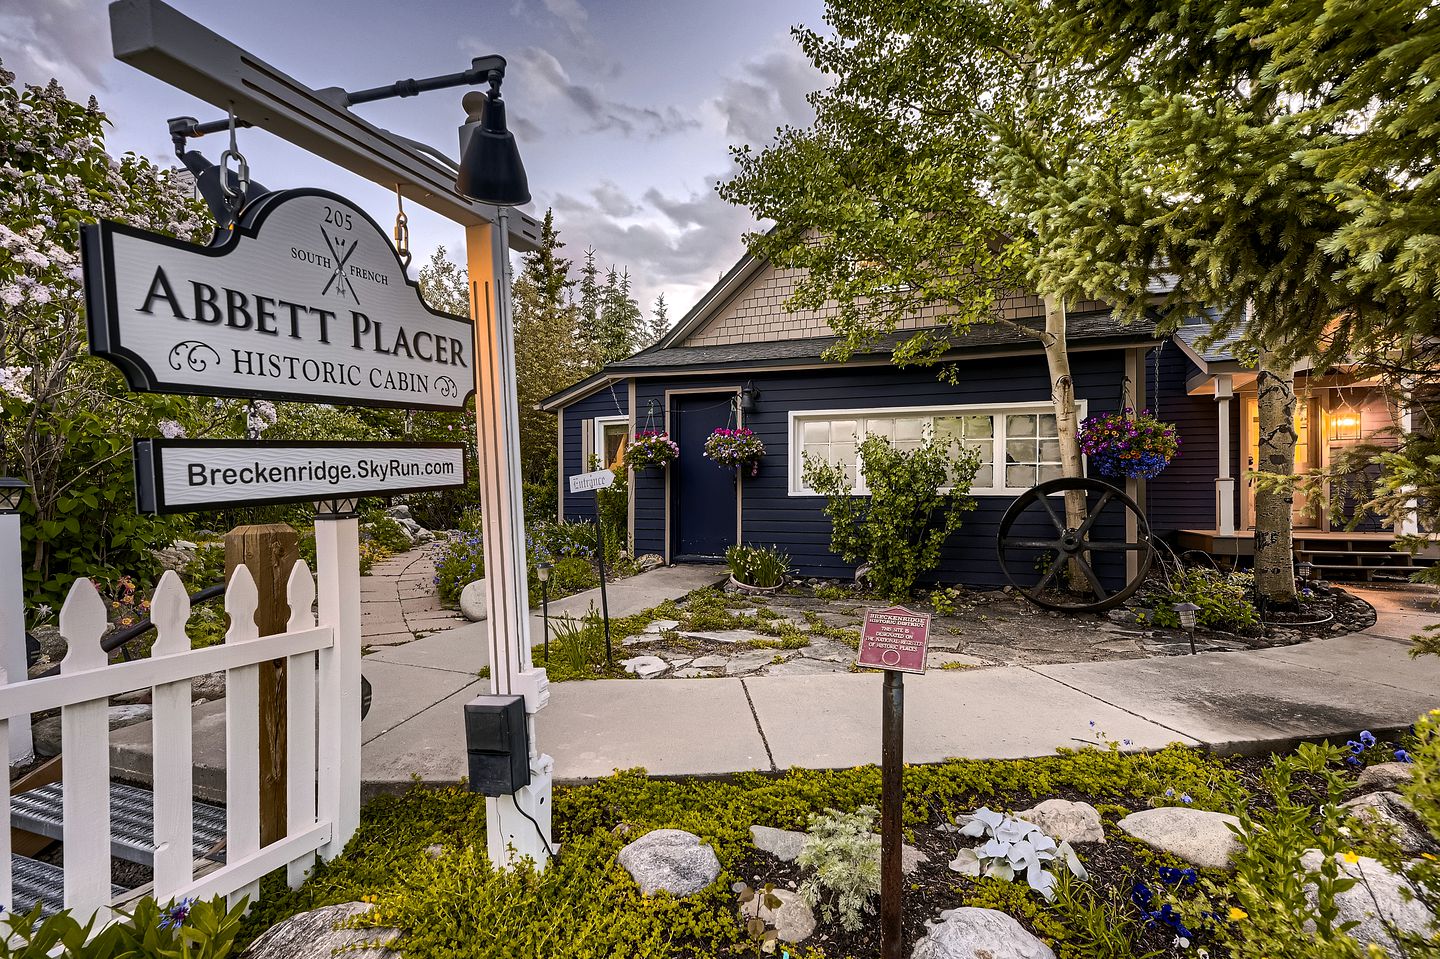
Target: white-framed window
1018,443
608,443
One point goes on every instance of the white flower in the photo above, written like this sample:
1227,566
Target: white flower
171,429
12,382
11,295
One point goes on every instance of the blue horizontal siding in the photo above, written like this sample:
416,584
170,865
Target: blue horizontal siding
1183,497
578,417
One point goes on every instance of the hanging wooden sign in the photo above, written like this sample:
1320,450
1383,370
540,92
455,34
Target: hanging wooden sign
303,300
181,476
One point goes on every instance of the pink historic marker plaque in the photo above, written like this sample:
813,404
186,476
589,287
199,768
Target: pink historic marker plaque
894,638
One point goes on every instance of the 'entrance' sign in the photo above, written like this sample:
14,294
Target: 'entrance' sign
179,476
584,482
894,638
303,300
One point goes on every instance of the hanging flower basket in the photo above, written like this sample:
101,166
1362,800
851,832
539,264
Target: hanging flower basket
735,449
650,449
1127,445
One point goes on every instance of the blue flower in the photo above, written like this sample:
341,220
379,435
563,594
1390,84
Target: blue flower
1170,793
1368,738
1403,757
1353,761
1355,747
175,917
1182,877
1185,798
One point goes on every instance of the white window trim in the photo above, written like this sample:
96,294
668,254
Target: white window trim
597,439
796,417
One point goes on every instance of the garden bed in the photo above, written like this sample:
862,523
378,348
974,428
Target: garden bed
420,859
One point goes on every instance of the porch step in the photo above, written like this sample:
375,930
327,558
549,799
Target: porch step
1360,558
132,821
33,881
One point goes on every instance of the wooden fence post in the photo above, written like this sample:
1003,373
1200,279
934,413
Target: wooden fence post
269,552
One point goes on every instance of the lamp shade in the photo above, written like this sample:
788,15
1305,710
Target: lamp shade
490,169
12,491
542,571
1186,612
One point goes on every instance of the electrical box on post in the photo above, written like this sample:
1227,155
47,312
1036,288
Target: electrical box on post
498,745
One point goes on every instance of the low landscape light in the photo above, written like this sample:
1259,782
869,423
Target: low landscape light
1305,569
542,571
12,491
1186,612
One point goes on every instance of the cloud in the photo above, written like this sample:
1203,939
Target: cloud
676,244
548,74
569,22
769,91
64,39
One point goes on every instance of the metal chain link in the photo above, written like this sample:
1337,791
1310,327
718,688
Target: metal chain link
234,196
402,230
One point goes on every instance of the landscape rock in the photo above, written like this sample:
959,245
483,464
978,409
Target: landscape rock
751,660
730,636
472,601
46,732
646,667
690,672
939,659
1066,821
1198,836
176,556
911,858
804,666
1386,776
670,860
783,844
313,935
399,512
649,561
794,920
709,662
657,626
970,933
1378,887
1393,810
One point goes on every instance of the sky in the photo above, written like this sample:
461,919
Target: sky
624,110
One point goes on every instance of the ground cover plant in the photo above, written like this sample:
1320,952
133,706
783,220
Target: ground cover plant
420,858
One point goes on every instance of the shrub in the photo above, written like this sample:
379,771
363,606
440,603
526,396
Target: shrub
459,561
1224,600
387,534
757,565
844,854
900,525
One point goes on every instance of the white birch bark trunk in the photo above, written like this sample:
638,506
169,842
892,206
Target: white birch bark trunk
1067,425
1274,560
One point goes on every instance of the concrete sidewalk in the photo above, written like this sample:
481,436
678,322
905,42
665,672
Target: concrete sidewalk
1239,702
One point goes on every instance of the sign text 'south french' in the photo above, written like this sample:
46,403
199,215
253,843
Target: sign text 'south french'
894,638
179,476
304,300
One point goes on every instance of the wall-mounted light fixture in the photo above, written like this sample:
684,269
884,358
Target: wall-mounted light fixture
1345,423
749,396
12,492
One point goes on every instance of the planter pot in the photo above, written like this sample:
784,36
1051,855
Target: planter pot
756,590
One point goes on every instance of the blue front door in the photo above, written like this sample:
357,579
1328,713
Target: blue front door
702,495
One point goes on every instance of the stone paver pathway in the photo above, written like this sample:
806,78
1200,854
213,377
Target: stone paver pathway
398,602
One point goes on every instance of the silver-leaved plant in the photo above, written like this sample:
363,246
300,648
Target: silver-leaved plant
1012,848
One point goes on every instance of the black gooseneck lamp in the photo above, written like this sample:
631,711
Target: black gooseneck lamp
490,166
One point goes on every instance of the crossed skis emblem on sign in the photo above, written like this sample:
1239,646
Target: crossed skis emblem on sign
339,273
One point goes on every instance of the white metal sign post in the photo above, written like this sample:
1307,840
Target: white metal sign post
159,40
13,658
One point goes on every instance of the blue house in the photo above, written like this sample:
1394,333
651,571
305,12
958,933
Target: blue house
739,358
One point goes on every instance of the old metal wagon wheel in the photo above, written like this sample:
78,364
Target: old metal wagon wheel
1037,546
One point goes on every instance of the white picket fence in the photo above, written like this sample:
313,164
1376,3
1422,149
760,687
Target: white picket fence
323,716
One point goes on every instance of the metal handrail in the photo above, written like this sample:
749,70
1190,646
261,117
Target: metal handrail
119,638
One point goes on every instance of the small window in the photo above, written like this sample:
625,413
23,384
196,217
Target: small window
611,435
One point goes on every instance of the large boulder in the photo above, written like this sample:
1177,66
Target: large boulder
1391,811
472,601
970,933
1198,836
793,920
1386,776
1066,821
319,934
1375,901
670,860
783,844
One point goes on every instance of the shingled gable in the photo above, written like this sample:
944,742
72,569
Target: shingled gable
742,323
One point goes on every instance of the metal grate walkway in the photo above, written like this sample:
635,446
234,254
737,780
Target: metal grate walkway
132,821
33,881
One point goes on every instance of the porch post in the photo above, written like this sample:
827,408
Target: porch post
516,826
1409,525
1224,482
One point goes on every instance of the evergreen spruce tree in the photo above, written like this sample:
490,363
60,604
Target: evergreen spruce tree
659,321
588,335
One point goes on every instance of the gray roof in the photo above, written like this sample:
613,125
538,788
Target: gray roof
988,337
1220,351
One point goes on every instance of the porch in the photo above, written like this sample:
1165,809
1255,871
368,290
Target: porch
1334,554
